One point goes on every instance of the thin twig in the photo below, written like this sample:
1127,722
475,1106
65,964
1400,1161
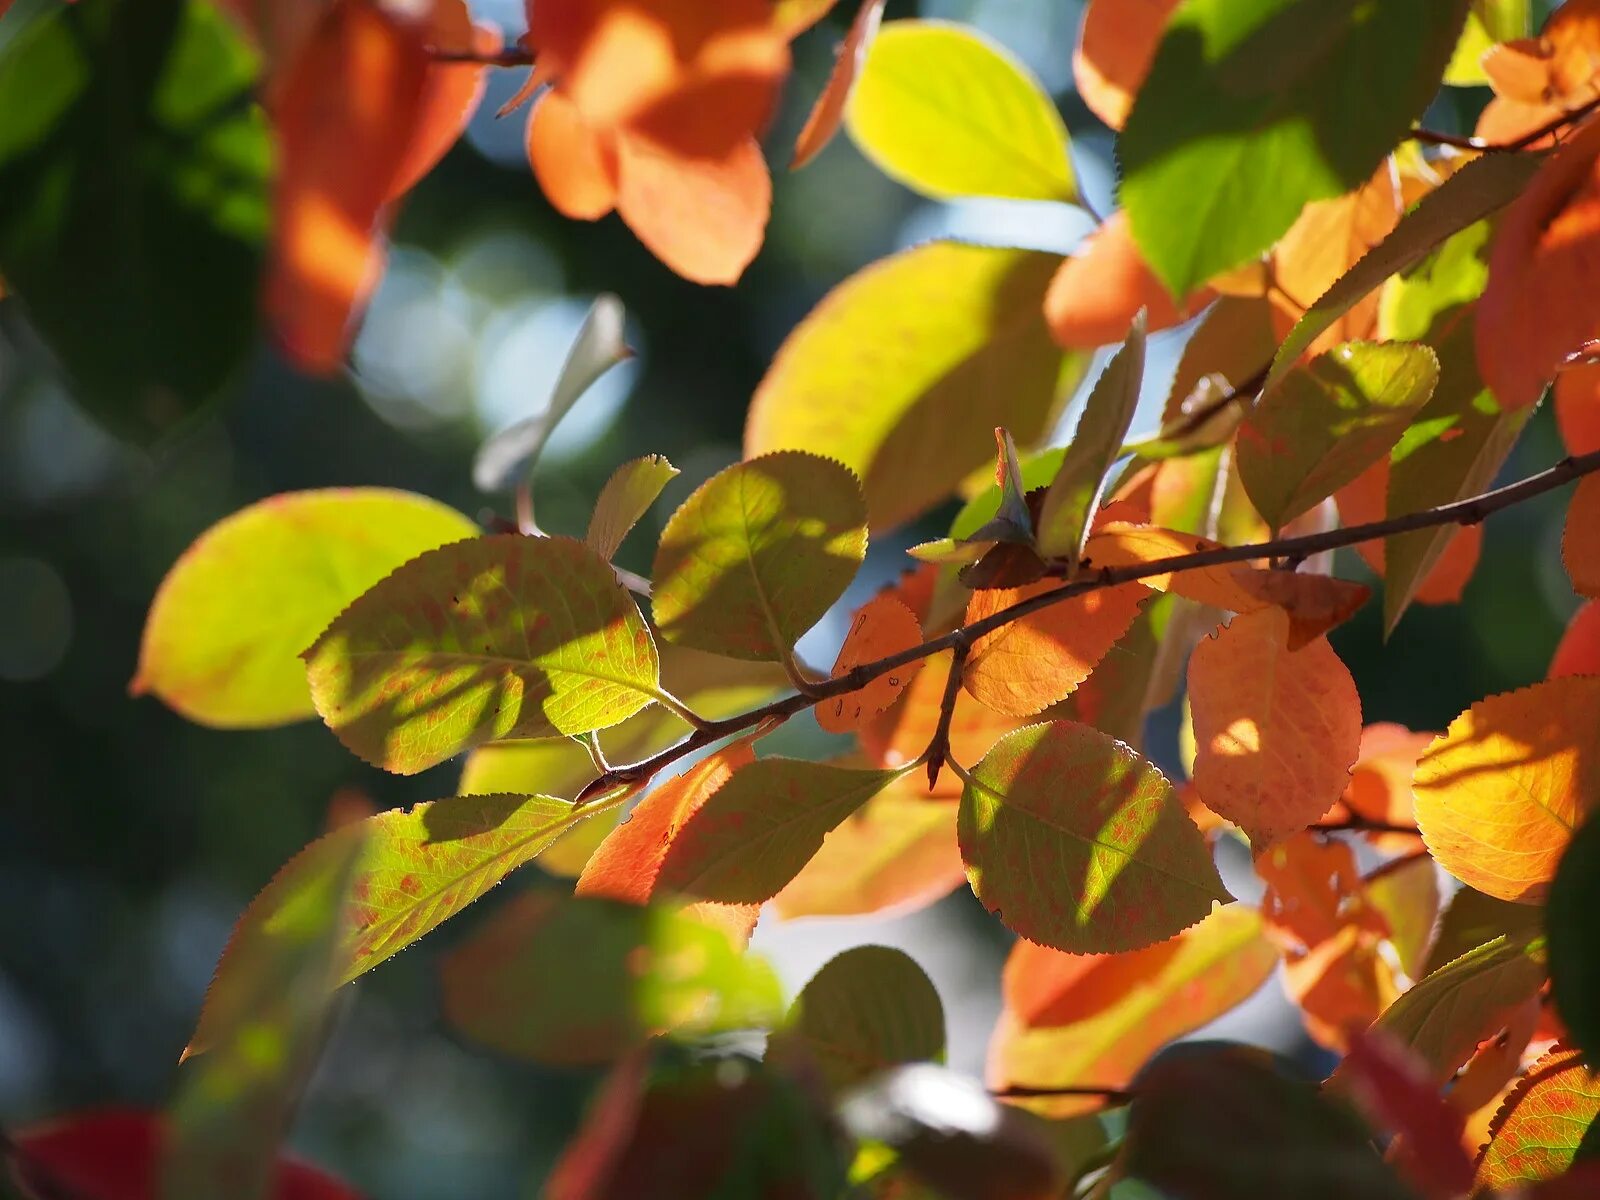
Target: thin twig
1192,421
1463,512
938,752
1110,1095
506,56
1363,825
1434,137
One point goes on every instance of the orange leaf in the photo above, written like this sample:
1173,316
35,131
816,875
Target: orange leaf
1097,291
902,732
828,111
1030,664
1579,650
1114,52
882,626
1276,730
625,866
1499,795
576,167
1580,540
450,94
1380,782
1538,305
703,217
1363,501
345,123
1578,408
1315,603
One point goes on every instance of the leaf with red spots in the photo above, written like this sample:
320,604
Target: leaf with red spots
1544,1123
1092,1020
1076,842
498,637
882,626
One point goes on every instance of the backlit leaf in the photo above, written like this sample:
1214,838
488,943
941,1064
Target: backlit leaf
1391,1086
1499,795
1324,423
230,619
757,554
828,111
1580,537
1544,1124
627,496
883,626
1103,284
902,732
1472,919
903,371
576,167
450,92
568,980
949,113
1078,843
1574,949
753,835
1234,341
1093,1020
1578,652
1276,730
1406,892
498,637
1577,408
1251,111
1114,50
416,869
866,1010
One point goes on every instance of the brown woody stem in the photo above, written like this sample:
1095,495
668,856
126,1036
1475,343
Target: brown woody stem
1434,137
1020,1092
938,752
506,56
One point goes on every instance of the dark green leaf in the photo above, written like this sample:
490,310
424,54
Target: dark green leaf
1575,939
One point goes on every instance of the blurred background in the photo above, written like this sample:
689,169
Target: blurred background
130,839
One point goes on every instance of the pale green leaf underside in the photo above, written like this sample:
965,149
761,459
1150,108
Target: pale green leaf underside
627,496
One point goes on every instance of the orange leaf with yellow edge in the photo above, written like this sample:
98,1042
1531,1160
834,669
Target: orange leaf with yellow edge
1578,652
883,626
339,155
1538,305
1092,1020
1543,1124
1026,666
626,865
828,111
1580,539
450,93
1114,52
1577,405
1276,730
576,166
1499,795
1098,290
1331,936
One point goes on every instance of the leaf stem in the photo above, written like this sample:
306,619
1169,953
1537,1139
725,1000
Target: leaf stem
938,751
1435,137
1110,1095
1363,825
678,708
506,56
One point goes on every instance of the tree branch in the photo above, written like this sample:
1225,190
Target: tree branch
938,751
506,56
1021,1092
1363,825
1434,137
1463,512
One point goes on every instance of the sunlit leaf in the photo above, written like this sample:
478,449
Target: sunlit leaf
1545,1124
1104,284
1472,919
1574,949
1233,342
1580,537
506,459
1578,652
828,111
867,1010
881,627
903,731
757,554
1114,50
1247,113
1276,730
576,166
949,113
1406,892
450,92
1093,1020
227,626
1078,843
1499,795
1380,783
565,981
497,637
1577,408
903,371
1324,423
627,496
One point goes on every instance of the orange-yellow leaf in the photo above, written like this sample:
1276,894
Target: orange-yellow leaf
1276,730
1580,540
340,151
1114,51
901,733
1024,667
450,93
1544,1123
576,167
828,111
703,217
1579,650
1499,795
883,626
1098,290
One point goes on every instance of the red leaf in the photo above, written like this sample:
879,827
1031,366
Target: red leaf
1392,1085
1579,650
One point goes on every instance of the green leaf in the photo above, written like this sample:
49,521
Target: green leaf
1547,1123
234,1105
1574,944
508,458
758,554
627,496
904,370
133,202
1324,423
225,632
1212,1121
868,1009
566,980
1476,190
753,834
1097,443
498,637
1254,108
1472,919
1461,438
416,869
949,113
1109,863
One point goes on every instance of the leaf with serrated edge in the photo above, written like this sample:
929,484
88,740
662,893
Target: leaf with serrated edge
498,637
627,496
1500,793
1543,1124
900,733
1093,1020
1076,842
757,554
1276,730
882,626
417,869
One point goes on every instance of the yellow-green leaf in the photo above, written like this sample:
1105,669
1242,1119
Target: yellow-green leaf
1546,1122
499,637
757,554
627,496
223,640
949,113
